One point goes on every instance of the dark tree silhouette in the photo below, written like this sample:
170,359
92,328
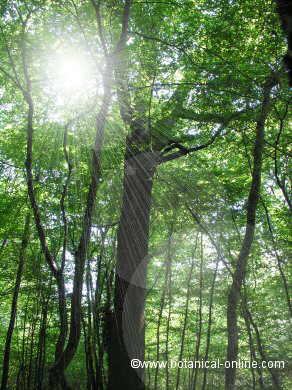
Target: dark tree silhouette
284,9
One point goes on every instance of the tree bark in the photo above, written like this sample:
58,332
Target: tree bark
272,371
208,336
162,303
252,350
80,256
169,299
200,320
186,313
81,253
41,356
6,355
279,261
130,284
240,269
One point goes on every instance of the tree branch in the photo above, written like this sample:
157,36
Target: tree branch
28,164
252,203
184,151
125,23
97,5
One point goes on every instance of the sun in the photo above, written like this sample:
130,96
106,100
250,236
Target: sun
72,72
70,76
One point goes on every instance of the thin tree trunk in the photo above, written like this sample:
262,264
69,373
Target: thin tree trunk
42,344
20,383
183,335
274,376
208,336
62,302
88,338
199,334
22,254
50,259
66,357
57,371
252,351
239,273
101,326
91,384
162,304
31,347
281,181
169,297
279,261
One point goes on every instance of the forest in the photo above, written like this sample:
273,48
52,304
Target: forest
145,234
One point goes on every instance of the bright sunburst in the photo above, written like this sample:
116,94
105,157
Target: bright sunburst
70,76
72,72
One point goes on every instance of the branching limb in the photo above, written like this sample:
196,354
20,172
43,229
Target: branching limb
281,183
183,151
28,163
63,197
97,7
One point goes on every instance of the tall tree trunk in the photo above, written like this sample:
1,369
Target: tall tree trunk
162,303
65,358
208,336
252,350
91,375
31,338
6,355
199,334
240,269
91,383
81,252
279,261
169,297
184,328
281,181
272,371
41,357
130,283
20,382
